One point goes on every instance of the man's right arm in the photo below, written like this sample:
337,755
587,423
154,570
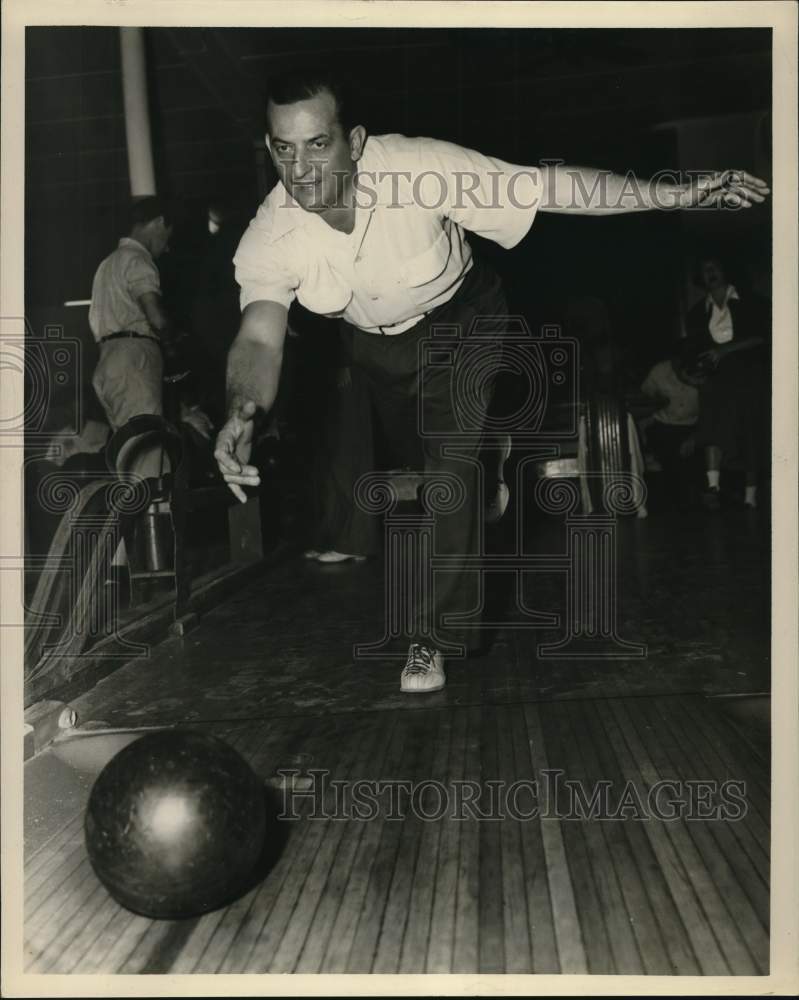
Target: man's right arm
253,375
256,357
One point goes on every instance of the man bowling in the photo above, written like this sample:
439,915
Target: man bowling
371,229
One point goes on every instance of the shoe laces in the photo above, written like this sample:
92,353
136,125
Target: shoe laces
420,659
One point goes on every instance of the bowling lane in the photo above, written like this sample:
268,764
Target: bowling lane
694,592
418,888
408,889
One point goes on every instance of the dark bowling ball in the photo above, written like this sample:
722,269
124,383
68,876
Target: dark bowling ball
175,824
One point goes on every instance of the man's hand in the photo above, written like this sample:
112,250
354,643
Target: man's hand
727,188
232,452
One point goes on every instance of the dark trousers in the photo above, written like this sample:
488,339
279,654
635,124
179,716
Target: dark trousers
665,441
343,451
432,415
733,412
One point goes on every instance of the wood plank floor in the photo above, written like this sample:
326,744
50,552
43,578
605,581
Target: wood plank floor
463,867
447,877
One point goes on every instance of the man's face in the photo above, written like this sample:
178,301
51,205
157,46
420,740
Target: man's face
160,233
310,151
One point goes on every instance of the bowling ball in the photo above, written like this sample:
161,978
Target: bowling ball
175,824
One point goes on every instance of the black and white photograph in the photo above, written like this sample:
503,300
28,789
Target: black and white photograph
398,438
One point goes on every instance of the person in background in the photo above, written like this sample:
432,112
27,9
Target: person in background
730,330
131,327
673,385
90,440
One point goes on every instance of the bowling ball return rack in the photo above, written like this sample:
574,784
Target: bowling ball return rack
604,451
91,610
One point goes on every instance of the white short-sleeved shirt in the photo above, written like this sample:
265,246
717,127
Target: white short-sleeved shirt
120,280
407,253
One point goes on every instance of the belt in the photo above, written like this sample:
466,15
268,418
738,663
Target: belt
129,333
406,324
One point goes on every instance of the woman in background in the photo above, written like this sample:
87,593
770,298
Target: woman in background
730,331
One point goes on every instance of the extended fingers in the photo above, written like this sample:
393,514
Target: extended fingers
223,454
741,177
737,197
247,474
238,492
740,197
235,483
741,190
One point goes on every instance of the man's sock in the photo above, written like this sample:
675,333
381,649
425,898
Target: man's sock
713,476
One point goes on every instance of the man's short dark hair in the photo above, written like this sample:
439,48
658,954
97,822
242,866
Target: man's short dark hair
144,210
302,84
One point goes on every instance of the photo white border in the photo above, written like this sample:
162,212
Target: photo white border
782,17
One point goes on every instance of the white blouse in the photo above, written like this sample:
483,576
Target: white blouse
720,322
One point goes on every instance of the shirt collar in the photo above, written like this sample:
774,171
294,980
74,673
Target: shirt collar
731,293
128,241
288,214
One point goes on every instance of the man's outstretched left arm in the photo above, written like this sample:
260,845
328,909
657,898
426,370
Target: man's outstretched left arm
589,191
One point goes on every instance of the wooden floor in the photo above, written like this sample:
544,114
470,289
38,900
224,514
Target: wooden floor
271,670
467,894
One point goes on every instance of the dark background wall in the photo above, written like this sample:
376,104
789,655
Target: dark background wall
623,99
